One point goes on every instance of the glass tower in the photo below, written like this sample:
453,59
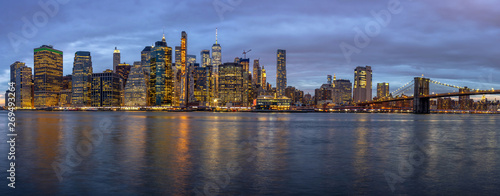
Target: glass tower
48,65
281,73
81,79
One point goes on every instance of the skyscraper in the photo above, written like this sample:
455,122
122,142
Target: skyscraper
146,59
342,91
123,69
106,89
184,71
48,64
281,73
135,88
201,77
216,62
66,91
160,90
264,78
362,84
81,79
16,65
257,72
232,84
116,59
205,58
24,87
178,57
382,90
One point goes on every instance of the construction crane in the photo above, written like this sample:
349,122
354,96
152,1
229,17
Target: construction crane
245,53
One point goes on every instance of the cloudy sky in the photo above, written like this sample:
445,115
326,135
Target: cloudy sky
452,41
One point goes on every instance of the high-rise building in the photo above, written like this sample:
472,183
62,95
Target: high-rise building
24,87
201,80
146,59
205,58
232,84
116,59
160,90
216,62
106,89
362,84
342,91
123,69
81,79
66,92
191,59
184,71
257,73
382,90
16,65
48,64
465,101
281,73
264,78
135,88
178,58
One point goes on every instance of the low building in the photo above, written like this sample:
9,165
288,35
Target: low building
266,102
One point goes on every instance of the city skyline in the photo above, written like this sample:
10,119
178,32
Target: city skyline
313,45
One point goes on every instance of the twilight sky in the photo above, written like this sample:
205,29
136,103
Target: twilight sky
452,41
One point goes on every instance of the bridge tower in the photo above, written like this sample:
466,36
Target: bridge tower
421,88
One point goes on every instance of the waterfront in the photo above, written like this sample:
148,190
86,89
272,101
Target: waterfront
146,153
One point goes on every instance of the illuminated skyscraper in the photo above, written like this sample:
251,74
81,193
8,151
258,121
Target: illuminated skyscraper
281,73
48,76
24,87
232,84
362,84
257,73
160,90
382,90
146,59
123,69
216,62
66,91
202,79
342,91
191,59
81,79
13,69
106,89
116,59
178,58
184,71
135,88
205,58
264,78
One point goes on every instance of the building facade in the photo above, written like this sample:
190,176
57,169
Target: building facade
160,87
136,88
48,68
24,88
81,80
205,58
362,84
16,65
281,73
232,84
342,91
383,90
106,89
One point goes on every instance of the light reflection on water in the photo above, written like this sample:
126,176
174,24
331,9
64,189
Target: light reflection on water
275,154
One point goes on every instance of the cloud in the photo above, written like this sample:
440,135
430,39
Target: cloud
456,41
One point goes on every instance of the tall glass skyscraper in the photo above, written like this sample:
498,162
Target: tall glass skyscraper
135,88
382,90
257,72
145,59
106,89
48,64
362,84
216,62
16,65
160,90
81,79
281,73
205,58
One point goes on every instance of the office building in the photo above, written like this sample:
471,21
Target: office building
116,59
16,65
184,93
65,97
232,84
106,89
191,59
281,73
178,58
81,79
160,87
216,62
136,88
362,84
205,58
342,91
257,73
123,69
48,68
383,90
146,59
24,87
264,78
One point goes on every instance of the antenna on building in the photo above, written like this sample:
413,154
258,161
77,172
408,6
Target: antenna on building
216,35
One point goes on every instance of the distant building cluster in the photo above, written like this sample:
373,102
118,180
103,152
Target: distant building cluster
164,76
